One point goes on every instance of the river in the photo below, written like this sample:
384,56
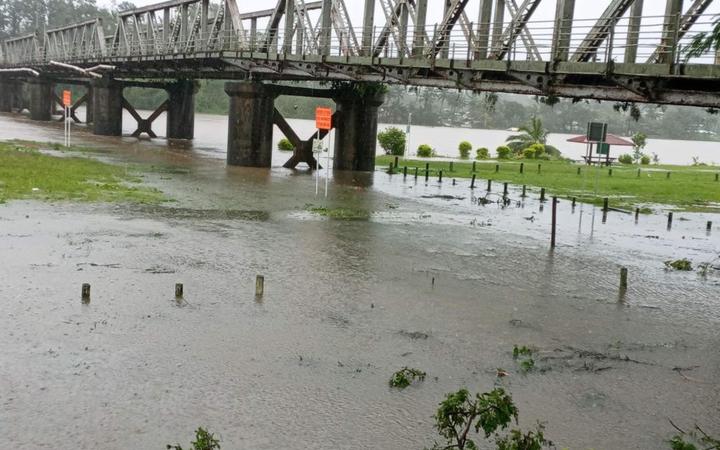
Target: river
443,284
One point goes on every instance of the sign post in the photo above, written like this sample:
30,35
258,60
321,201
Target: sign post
67,103
323,121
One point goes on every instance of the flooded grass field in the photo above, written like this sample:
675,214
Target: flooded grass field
423,276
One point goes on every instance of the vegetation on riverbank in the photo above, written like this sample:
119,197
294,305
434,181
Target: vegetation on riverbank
685,188
28,173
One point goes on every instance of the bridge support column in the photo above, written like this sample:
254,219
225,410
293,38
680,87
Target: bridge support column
107,100
250,126
181,110
6,96
356,132
40,100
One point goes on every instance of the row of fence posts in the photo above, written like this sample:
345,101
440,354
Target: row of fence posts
180,290
553,229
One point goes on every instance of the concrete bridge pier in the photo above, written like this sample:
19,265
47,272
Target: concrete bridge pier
40,100
250,127
6,96
181,110
107,101
356,131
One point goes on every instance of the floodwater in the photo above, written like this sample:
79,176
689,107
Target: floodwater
443,284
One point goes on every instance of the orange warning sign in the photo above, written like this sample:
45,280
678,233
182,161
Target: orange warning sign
323,118
67,98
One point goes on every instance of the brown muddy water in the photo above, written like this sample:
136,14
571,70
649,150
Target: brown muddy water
346,304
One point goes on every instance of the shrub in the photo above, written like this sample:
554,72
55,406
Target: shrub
482,153
392,141
626,159
645,160
539,149
465,148
528,153
285,145
503,152
425,151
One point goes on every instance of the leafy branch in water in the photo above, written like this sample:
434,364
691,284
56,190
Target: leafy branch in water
679,264
459,413
524,355
406,376
204,440
697,439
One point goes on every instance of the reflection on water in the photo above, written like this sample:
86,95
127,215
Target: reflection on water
307,367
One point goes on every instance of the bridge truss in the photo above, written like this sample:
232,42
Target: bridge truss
623,55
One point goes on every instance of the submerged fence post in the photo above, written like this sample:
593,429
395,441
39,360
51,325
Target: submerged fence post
505,189
472,183
396,162
427,171
474,163
606,204
416,172
554,223
574,201
670,219
259,286
85,292
637,214
542,195
623,278
440,176
404,172
709,226
178,290
524,191
489,188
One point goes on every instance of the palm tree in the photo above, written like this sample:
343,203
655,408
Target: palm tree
532,133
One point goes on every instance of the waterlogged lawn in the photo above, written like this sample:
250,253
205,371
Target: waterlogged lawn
689,188
26,173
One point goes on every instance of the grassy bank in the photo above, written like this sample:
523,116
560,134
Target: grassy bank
686,189
27,173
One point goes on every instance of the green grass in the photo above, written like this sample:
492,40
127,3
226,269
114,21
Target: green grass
689,188
26,173
341,213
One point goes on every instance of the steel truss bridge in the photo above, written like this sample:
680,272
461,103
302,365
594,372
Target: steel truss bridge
480,45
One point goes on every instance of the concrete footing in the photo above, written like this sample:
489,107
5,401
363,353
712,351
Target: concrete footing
107,101
181,110
250,124
356,132
40,100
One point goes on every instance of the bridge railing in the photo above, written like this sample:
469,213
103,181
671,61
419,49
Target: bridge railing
647,39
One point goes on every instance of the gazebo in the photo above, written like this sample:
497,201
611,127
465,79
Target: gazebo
603,153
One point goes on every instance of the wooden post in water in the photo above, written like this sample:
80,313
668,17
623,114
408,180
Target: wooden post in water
259,286
454,182
574,200
554,223
606,204
670,218
178,290
427,171
524,191
440,176
637,214
709,226
489,185
416,172
522,167
623,279
505,189
396,162
542,195
390,169
472,183
85,292
497,168
404,172
473,169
